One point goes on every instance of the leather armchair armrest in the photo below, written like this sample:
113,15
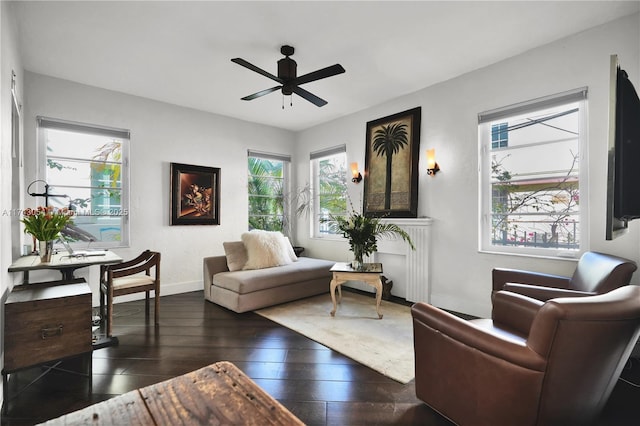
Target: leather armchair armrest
544,293
514,311
480,339
502,276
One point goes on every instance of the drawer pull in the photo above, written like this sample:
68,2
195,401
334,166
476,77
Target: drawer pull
51,332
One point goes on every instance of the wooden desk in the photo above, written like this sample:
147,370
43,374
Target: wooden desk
67,266
61,262
343,272
217,394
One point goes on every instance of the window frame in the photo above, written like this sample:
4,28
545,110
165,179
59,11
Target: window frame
485,190
314,160
46,123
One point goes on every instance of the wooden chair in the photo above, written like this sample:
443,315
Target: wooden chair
126,278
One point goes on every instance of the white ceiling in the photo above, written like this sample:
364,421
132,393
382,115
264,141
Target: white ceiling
179,52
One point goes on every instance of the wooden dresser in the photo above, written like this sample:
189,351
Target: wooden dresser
46,322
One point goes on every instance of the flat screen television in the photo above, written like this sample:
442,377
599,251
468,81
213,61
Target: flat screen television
623,176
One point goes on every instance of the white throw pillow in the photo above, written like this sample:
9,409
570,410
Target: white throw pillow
289,250
265,249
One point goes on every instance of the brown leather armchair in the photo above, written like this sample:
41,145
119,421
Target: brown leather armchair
596,273
532,363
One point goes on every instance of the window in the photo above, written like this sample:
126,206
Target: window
329,176
499,135
88,165
531,183
268,182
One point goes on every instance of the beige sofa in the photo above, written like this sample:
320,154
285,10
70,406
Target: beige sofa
247,290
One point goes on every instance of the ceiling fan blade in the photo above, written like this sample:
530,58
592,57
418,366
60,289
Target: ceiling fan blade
252,67
309,96
261,93
317,75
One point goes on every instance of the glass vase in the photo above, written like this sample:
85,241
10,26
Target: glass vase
358,254
46,250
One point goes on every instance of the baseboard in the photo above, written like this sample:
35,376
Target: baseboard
165,290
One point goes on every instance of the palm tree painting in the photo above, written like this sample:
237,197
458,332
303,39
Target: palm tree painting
391,164
389,140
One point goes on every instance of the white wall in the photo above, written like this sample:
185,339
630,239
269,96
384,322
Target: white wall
9,61
460,275
160,134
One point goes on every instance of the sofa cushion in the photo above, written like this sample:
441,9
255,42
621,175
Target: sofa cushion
236,255
248,281
265,249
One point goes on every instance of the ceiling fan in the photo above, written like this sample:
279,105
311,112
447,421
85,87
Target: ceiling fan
289,81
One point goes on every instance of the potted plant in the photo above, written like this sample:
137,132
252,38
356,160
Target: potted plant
45,224
298,203
363,232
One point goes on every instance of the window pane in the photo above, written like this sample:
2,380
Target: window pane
535,193
64,172
266,187
331,198
88,170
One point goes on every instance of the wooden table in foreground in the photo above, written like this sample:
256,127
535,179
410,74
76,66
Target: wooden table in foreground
217,394
343,272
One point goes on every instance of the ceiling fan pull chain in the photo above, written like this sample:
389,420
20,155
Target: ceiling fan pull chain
283,101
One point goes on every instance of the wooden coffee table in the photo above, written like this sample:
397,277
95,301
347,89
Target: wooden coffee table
219,394
343,272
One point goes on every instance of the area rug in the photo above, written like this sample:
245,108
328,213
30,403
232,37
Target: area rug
385,345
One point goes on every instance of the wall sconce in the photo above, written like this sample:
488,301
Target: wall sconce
357,177
432,166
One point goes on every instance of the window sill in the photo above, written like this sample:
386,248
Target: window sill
568,257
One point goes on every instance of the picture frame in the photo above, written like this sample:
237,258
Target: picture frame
195,195
391,165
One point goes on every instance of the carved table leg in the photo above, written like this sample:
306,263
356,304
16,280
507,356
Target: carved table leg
378,285
332,289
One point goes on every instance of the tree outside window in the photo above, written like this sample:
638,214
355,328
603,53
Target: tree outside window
330,173
267,183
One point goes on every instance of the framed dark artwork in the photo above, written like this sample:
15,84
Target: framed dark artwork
391,165
195,195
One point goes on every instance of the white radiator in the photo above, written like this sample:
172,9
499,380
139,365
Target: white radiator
408,269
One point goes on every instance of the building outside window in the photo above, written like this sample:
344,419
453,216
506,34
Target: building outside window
88,165
532,186
268,184
329,177
499,135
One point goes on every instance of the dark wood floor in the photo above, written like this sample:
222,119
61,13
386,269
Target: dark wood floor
320,386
